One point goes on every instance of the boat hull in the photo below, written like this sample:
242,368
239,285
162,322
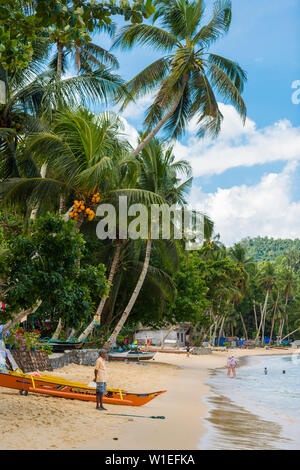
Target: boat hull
129,356
57,387
63,346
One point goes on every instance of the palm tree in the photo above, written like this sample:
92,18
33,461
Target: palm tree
159,175
86,55
81,151
187,76
33,96
288,285
84,155
267,280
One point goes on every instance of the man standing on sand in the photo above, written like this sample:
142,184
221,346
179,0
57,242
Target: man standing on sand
100,379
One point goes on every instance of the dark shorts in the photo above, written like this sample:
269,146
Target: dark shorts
101,388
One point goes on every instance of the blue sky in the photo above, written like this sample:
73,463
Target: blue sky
246,177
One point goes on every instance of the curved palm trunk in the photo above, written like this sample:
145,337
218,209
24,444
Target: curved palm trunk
215,331
244,326
255,315
274,316
36,208
58,329
297,329
166,335
101,305
133,298
22,316
162,121
221,331
263,316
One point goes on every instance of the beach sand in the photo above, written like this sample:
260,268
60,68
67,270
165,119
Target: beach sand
41,422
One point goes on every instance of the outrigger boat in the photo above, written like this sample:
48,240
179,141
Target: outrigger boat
58,387
60,346
133,355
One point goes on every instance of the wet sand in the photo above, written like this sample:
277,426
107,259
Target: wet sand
41,422
235,428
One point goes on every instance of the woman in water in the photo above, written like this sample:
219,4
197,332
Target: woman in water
231,365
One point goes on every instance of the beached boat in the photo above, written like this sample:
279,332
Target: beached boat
58,387
60,346
131,355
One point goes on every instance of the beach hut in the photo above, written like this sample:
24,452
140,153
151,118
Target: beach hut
176,336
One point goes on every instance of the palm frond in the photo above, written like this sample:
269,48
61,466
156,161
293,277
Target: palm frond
218,25
147,35
227,89
147,80
236,74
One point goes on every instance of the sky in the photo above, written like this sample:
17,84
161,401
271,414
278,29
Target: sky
246,180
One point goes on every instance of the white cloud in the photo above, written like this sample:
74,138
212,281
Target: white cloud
265,209
239,146
130,132
136,111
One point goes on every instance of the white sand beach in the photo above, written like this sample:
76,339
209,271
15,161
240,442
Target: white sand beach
41,422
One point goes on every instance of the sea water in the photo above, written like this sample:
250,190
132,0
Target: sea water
258,410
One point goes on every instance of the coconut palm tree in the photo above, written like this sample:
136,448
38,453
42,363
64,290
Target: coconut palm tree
267,280
33,95
86,55
159,175
188,76
81,152
84,155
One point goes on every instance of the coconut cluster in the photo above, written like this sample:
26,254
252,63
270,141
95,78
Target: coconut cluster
80,208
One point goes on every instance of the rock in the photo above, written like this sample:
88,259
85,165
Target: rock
200,351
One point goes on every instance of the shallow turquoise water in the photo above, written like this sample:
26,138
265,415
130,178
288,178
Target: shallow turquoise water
274,398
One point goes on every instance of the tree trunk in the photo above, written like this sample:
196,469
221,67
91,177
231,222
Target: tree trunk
20,317
262,316
72,333
166,335
215,331
133,298
255,316
58,329
244,326
290,334
221,330
36,208
273,319
113,269
59,59
62,207
167,116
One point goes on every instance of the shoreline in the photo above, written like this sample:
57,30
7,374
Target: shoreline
41,422
188,426
235,426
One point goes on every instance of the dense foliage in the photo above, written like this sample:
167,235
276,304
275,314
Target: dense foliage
44,266
59,161
269,249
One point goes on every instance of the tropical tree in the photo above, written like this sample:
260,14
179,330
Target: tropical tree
41,268
159,175
267,280
86,55
188,77
22,21
80,152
